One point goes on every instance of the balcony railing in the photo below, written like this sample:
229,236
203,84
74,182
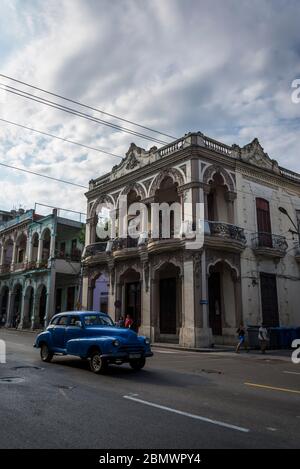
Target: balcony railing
95,248
270,241
226,230
124,243
4,269
74,256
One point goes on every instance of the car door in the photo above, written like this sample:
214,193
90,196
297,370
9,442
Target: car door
74,329
59,332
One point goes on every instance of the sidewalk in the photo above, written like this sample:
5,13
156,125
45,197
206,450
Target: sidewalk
270,354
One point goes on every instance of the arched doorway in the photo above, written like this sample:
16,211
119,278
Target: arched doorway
219,204
34,248
168,193
3,305
131,296
28,307
46,238
16,305
168,301
21,245
100,293
222,295
42,305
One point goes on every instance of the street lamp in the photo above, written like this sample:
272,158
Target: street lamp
285,212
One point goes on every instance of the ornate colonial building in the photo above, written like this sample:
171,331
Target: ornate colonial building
248,269
39,268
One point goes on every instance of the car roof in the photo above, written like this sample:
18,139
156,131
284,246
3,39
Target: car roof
79,313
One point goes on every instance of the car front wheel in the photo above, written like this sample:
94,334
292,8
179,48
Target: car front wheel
46,355
137,364
97,364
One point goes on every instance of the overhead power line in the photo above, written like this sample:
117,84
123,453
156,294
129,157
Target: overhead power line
43,175
87,106
47,102
60,138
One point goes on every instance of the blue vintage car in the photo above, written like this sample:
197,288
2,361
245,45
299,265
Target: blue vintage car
94,336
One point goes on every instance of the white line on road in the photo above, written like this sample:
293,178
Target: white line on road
187,414
292,372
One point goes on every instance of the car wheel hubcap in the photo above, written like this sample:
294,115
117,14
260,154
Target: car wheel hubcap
96,362
44,352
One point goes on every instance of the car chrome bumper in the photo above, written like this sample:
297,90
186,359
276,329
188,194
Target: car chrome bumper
123,356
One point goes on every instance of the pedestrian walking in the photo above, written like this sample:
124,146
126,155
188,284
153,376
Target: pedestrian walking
242,339
263,338
121,322
128,321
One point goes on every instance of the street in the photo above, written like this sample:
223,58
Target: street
181,399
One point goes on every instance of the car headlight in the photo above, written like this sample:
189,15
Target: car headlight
116,343
147,341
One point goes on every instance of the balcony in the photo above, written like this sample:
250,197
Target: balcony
124,247
74,256
269,245
4,269
224,236
95,252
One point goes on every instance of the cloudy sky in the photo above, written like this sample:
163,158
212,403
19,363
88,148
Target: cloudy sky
222,67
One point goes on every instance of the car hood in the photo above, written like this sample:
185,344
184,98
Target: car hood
119,332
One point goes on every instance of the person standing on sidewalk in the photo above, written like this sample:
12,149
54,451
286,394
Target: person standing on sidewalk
263,338
242,339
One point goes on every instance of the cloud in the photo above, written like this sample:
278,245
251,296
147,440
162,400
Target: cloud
224,68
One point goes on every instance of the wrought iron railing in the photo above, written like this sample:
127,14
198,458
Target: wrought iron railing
269,240
95,248
226,230
123,243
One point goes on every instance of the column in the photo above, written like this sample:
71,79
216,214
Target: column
9,309
29,250
52,246
204,334
21,324
14,254
2,253
35,311
40,251
187,331
50,297
230,198
145,328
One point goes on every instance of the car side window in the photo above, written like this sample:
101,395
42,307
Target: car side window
62,321
75,321
54,321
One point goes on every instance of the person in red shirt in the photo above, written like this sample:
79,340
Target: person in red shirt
128,321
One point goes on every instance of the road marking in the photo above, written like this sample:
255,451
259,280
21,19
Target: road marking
292,372
164,351
187,414
273,387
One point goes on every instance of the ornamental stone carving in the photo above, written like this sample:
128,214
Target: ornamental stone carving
254,154
216,169
173,173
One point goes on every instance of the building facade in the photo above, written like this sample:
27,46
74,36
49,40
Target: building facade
247,270
39,268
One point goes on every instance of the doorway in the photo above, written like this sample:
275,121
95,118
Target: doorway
214,298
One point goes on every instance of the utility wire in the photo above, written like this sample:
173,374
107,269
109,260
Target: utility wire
39,99
87,106
43,175
60,138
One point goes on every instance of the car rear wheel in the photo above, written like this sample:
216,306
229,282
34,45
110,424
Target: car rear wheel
97,364
46,355
137,364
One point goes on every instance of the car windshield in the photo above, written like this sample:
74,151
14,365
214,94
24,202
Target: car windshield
96,320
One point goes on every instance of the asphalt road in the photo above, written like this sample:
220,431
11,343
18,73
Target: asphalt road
180,400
